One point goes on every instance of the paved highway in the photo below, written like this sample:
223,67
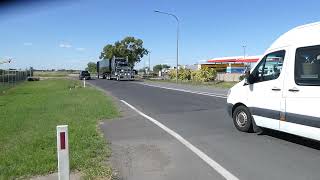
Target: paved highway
202,121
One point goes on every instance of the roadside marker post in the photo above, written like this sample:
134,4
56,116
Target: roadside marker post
84,82
63,152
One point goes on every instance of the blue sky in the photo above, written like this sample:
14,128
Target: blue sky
69,35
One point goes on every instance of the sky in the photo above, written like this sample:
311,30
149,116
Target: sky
67,35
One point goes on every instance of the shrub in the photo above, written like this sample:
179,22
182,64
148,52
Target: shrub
184,74
204,75
242,77
172,74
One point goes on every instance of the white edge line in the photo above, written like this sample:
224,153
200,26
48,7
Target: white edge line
193,92
216,166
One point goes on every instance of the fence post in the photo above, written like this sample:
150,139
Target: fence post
63,152
3,76
8,75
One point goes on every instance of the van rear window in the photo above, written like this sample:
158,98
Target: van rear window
307,66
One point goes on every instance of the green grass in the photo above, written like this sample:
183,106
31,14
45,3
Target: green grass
4,87
214,84
51,74
29,115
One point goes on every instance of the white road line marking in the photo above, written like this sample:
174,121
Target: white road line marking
216,166
188,91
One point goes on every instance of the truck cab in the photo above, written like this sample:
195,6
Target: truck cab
282,91
123,70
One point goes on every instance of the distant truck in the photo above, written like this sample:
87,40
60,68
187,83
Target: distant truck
115,68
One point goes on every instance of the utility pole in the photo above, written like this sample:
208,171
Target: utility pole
244,51
149,61
248,65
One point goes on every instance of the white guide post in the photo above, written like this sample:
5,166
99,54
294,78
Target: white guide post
63,152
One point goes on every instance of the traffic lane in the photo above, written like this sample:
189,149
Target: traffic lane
203,121
207,89
141,150
248,156
159,101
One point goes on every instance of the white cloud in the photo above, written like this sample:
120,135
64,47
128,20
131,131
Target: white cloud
27,44
80,49
65,45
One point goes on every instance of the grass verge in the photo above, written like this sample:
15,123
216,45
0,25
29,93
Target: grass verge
4,87
214,84
50,74
29,115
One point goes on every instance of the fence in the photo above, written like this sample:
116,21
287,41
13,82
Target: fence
11,77
230,77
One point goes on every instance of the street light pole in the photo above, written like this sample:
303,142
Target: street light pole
244,51
178,24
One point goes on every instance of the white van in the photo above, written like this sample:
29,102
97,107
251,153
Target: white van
282,92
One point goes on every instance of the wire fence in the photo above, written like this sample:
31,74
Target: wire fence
10,77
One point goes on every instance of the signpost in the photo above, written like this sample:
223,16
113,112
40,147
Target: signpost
63,152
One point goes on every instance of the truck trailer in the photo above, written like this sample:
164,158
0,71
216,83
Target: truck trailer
115,68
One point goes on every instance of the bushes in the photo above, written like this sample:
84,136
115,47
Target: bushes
172,74
184,74
242,77
202,75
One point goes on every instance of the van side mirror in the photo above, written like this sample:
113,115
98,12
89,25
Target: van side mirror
248,78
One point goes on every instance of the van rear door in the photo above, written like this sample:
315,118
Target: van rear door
302,94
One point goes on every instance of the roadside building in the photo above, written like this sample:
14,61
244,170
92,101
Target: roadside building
233,64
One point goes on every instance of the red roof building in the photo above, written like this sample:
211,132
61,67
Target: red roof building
235,59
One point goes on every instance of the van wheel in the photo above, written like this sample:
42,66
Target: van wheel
242,119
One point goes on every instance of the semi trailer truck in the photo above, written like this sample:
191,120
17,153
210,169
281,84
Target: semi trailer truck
115,68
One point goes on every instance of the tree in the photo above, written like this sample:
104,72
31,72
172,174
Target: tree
128,47
165,66
91,67
144,69
159,67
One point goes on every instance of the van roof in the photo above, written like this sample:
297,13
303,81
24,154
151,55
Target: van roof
304,35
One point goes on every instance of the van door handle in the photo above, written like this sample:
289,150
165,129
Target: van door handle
294,89
276,89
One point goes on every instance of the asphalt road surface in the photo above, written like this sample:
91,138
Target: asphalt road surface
203,121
